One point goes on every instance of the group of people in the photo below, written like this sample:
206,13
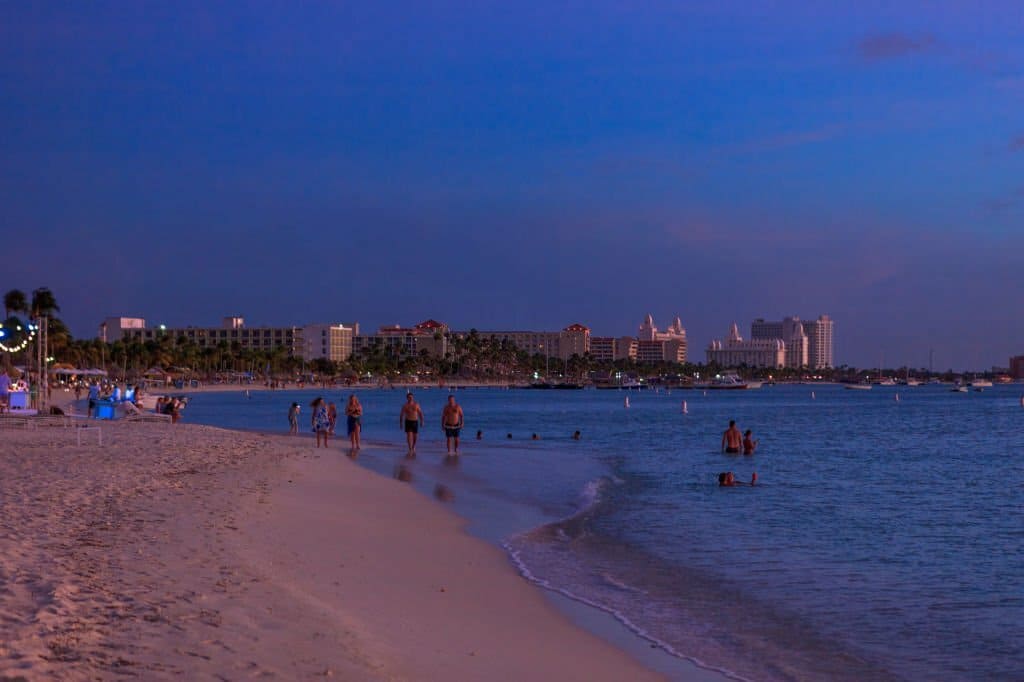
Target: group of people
410,418
324,420
733,442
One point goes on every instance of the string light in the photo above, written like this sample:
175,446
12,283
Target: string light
17,339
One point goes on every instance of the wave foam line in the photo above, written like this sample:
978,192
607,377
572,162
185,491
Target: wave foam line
619,616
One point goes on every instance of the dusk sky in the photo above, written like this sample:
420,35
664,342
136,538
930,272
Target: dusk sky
525,166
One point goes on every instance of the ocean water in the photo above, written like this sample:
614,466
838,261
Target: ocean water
884,540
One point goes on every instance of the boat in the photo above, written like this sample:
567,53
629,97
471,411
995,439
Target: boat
729,382
884,381
959,388
567,386
980,383
857,387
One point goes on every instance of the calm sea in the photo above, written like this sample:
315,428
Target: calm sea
884,540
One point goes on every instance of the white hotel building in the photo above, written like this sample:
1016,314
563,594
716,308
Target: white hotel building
786,343
734,351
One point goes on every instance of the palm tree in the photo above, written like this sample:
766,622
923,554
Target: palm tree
43,303
15,302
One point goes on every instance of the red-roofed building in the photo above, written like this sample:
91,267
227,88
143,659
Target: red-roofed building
404,342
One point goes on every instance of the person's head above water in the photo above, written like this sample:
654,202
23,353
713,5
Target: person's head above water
732,423
748,432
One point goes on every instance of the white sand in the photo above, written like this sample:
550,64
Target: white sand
190,552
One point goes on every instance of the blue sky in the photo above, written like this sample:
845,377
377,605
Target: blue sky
525,165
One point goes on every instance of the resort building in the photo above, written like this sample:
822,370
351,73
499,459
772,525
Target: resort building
1017,367
329,341
231,331
654,345
609,348
573,340
113,328
808,344
651,345
400,342
735,352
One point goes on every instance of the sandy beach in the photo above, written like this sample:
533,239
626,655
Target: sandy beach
192,552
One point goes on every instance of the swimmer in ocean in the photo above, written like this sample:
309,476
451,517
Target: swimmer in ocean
727,479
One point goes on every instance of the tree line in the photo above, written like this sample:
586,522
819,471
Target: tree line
471,356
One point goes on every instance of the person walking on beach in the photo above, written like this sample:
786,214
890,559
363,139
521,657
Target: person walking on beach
452,420
293,419
332,417
354,414
410,419
320,421
732,439
749,444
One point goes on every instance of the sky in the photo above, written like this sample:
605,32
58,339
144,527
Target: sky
525,166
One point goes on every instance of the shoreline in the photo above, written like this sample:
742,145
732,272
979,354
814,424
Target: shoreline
196,550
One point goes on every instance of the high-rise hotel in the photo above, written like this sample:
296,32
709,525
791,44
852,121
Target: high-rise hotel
790,342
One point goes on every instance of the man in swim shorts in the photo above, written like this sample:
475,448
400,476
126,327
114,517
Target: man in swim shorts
410,419
452,420
732,439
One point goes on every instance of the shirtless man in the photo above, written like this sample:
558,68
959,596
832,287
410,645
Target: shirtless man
732,439
410,419
452,420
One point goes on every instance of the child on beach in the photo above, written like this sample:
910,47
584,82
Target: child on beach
320,421
332,417
293,419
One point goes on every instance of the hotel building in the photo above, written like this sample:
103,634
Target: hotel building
734,351
310,342
808,344
650,346
1017,367
609,348
573,340
402,343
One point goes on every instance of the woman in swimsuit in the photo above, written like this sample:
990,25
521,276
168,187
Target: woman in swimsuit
354,412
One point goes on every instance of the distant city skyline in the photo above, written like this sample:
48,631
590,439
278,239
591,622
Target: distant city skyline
525,167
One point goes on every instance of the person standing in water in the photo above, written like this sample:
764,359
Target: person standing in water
452,420
749,444
354,413
410,419
732,439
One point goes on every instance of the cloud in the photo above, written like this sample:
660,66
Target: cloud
894,45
